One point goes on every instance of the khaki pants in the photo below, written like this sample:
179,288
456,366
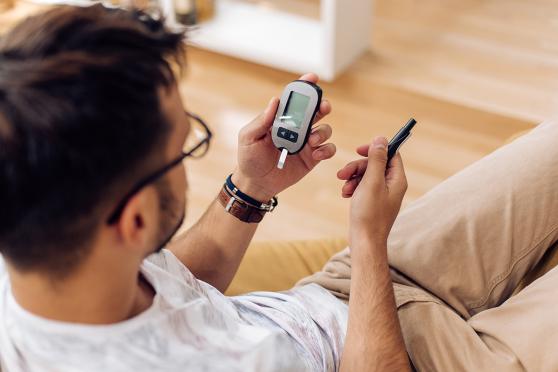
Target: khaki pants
458,253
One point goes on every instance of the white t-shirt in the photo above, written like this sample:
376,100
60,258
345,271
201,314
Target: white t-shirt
190,326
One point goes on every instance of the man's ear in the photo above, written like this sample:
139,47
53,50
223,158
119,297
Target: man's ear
137,218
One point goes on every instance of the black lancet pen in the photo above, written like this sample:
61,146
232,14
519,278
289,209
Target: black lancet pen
394,145
399,139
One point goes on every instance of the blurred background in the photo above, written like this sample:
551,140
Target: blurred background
472,72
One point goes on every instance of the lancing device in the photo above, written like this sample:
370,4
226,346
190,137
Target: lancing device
396,142
400,137
298,106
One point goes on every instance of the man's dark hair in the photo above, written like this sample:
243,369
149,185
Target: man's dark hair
79,116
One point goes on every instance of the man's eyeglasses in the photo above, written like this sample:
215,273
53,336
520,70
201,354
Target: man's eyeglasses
196,146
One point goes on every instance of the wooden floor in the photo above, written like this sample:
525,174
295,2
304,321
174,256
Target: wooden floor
471,72
499,56
448,137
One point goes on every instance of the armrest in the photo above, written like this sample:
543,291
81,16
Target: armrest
278,265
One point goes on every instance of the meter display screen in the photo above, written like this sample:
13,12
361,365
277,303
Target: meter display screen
295,110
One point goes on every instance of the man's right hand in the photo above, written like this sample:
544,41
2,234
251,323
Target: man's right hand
376,192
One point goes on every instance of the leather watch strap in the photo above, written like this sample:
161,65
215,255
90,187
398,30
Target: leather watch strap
242,211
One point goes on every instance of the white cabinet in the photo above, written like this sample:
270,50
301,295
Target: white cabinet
287,41
280,39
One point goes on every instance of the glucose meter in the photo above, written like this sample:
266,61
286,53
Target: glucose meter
298,106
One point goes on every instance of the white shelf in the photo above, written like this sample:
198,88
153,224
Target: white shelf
265,36
287,41
279,39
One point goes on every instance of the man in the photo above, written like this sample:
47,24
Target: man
92,134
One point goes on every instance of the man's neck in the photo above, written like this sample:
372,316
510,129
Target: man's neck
89,296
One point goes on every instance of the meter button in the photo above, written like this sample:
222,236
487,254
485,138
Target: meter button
292,136
287,134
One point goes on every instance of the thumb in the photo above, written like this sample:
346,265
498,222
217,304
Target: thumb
377,160
259,127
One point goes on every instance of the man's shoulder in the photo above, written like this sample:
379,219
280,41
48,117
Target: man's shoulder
164,264
166,261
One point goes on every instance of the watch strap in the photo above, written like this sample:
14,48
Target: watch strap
244,212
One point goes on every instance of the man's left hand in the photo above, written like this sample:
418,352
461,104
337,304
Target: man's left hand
257,174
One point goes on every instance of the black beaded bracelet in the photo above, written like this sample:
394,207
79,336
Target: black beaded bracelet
248,199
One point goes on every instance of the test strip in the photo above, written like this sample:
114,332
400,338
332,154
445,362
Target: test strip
282,158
